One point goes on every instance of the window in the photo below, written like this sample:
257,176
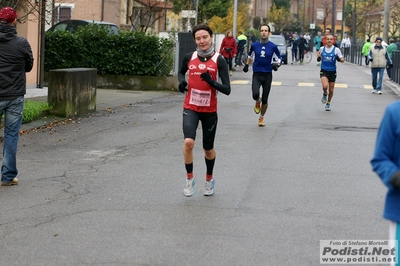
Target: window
62,12
320,14
339,15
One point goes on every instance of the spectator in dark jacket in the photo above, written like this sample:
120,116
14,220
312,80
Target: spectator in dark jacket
15,60
302,47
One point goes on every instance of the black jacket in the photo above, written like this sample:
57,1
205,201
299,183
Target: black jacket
15,60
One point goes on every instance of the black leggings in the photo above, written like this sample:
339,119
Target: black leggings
229,62
264,80
209,123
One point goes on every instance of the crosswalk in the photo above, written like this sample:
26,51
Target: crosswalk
305,84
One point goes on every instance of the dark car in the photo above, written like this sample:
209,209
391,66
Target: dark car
280,41
73,24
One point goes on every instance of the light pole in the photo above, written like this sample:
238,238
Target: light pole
354,21
197,10
333,16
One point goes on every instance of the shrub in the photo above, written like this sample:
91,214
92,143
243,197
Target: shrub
126,53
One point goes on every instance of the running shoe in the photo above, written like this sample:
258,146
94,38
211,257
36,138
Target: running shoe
188,191
323,99
328,107
374,91
261,122
379,92
257,107
209,188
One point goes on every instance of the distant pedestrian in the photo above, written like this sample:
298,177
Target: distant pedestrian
318,41
345,45
398,43
228,49
15,60
302,48
365,50
328,55
200,103
390,49
379,59
241,44
266,58
386,164
295,47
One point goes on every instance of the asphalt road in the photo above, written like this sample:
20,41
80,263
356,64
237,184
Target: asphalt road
106,189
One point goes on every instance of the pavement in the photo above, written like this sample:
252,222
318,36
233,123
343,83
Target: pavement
106,188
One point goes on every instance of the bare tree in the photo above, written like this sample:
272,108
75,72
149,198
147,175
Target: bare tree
327,6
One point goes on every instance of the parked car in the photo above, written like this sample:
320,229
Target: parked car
280,41
73,24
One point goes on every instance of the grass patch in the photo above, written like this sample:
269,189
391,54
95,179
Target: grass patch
34,109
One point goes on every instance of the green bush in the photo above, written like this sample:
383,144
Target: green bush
126,53
33,109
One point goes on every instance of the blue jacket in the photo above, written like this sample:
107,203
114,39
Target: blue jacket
386,159
263,56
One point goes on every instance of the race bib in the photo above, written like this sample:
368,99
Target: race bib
200,98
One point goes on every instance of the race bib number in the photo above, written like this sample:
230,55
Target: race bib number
200,98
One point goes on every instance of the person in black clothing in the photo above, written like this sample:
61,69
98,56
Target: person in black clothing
15,60
302,46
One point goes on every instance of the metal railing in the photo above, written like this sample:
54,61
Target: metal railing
356,57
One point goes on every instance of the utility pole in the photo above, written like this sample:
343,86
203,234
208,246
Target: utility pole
234,18
354,21
42,10
386,21
333,17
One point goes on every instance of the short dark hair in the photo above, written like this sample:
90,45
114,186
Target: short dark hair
202,27
269,29
330,30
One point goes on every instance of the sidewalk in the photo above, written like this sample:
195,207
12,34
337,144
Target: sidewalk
106,100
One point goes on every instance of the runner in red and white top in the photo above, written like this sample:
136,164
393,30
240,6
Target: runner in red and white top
204,67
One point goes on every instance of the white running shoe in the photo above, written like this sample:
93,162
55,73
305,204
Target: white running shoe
209,188
188,191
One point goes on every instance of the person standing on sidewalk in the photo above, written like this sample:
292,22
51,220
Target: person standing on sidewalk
200,102
328,55
228,49
392,47
242,40
345,44
266,58
379,59
15,60
386,164
365,50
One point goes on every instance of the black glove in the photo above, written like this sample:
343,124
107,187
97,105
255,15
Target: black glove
319,59
246,68
395,180
275,67
390,66
182,86
371,60
207,78
337,58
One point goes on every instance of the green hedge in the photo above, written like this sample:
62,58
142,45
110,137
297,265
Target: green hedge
126,53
